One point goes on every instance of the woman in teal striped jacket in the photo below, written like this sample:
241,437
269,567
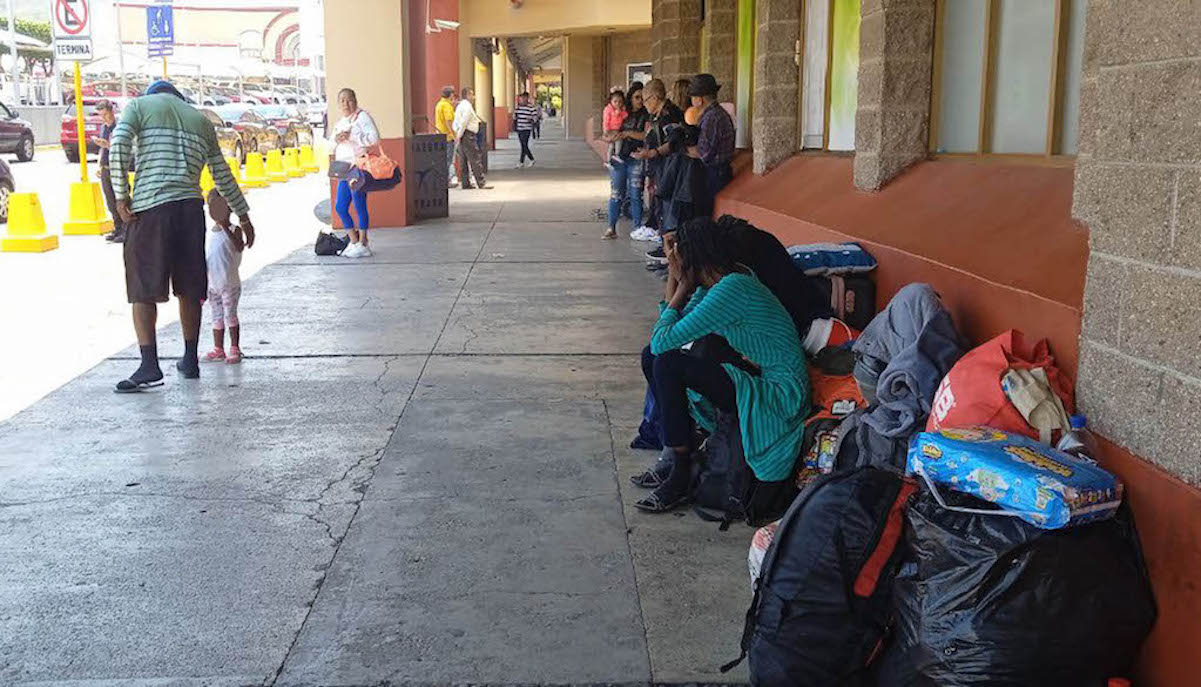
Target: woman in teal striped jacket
768,387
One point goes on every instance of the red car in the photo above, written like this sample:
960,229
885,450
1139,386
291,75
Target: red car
68,134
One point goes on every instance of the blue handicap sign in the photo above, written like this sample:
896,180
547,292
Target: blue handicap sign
160,30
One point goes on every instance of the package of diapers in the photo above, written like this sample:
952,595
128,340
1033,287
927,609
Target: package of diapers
1045,487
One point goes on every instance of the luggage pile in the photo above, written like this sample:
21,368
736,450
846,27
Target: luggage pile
952,527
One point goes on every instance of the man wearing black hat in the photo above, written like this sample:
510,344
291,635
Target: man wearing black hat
716,145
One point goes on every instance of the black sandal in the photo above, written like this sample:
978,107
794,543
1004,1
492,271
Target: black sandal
647,480
128,386
653,504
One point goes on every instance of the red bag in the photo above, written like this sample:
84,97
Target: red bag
971,392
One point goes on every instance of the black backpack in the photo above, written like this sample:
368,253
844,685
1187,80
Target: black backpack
821,604
329,244
725,488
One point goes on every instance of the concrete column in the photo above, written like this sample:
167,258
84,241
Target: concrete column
499,71
676,38
510,84
579,99
892,124
500,93
442,62
777,83
1138,188
421,89
375,33
483,97
720,45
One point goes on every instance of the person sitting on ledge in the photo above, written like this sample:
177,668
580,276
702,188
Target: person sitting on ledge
763,377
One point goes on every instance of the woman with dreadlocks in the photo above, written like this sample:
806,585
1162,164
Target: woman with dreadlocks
763,380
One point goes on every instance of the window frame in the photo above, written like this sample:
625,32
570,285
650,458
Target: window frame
800,55
988,85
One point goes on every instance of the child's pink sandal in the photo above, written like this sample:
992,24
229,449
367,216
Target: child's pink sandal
214,356
235,356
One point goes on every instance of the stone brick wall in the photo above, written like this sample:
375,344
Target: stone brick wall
721,21
896,49
777,83
1138,188
624,49
675,38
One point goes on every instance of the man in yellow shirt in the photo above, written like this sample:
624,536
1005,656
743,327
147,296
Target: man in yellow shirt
444,117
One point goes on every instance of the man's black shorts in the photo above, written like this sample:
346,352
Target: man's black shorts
166,243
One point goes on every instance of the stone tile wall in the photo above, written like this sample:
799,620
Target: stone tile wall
676,38
892,125
1138,188
721,22
777,83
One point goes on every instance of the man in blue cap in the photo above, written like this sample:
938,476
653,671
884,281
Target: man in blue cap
165,221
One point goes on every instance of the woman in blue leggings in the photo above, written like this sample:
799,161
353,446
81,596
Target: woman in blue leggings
353,136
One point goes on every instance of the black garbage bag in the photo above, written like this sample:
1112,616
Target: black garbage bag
987,600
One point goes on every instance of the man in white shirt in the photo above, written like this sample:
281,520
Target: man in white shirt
466,125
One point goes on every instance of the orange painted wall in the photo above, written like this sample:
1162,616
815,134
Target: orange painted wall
993,234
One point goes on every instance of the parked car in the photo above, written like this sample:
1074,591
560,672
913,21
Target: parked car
256,133
227,136
16,134
7,185
68,135
293,129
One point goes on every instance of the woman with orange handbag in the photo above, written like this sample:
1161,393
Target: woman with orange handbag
353,137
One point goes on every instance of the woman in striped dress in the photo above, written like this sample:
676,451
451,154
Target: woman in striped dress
765,382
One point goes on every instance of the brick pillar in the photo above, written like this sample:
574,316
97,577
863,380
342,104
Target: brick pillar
719,40
777,82
892,125
676,41
1138,187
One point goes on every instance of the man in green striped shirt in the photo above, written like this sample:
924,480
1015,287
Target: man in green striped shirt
165,225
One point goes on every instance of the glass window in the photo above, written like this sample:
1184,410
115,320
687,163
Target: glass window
1007,77
830,74
744,80
844,75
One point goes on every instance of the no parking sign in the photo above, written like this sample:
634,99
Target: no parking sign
72,26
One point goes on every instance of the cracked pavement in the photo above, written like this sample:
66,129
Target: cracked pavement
419,475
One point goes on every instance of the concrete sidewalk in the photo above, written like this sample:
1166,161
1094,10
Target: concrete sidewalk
419,475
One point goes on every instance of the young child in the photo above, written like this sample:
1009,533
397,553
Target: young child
612,118
224,256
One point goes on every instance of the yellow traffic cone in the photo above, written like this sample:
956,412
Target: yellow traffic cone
87,216
256,175
307,162
236,171
206,181
275,166
26,226
292,163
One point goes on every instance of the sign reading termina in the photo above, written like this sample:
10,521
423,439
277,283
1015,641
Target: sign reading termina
72,28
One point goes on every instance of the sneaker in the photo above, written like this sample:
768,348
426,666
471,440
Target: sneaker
609,235
234,357
364,251
657,255
519,165
644,233
215,355
531,162
354,250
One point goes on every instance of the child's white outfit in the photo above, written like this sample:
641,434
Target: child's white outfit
225,285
